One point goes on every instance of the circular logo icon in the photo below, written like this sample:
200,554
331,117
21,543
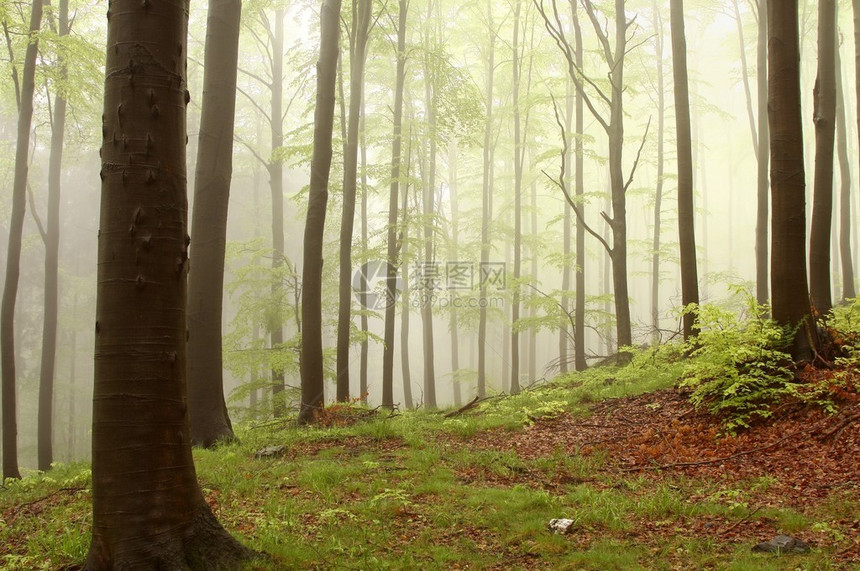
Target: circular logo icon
371,288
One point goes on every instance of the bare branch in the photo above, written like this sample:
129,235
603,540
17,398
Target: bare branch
638,155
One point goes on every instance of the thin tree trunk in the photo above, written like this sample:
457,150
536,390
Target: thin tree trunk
365,344
313,381
848,290
52,262
276,184
579,190
686,212
393,247
518,187
454,256
13,256
658,189
210,422
825,131
358,54
486,204
567,222
405,306
429,193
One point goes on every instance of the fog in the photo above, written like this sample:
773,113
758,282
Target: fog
456,41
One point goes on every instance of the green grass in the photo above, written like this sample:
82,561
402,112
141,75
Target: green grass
390,493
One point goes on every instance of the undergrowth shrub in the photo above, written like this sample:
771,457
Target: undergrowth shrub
739,365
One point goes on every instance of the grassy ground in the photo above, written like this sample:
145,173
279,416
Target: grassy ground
419,491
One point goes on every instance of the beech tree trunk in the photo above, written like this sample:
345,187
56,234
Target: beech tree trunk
276,185
486,203
579,190
52,263
405,305
763,159
210,422
358,54
313,381
846,259
148,510
825,132
429,210
789,289
658,188
518,200
393,246
686,212
8,376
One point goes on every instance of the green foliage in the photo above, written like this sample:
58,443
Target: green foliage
739,366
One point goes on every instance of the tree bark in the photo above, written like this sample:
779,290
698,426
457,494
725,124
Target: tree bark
358,54
8,376
313,382
52,262
148,510
789,289
686,212
393,247
825,131
210,422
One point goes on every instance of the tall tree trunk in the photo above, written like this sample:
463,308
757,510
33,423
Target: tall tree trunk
763,158
564,329
313,381
658,189
276,184
686,212
486,203
358,53
148,510
825,132
210,422
405,369
393,247
789,290
52,262
454,256
619,187
429,193
518,191
13,256
579,190
848,290
365,327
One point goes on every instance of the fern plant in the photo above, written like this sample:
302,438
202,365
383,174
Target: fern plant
740,365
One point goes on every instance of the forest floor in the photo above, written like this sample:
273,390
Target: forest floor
649,482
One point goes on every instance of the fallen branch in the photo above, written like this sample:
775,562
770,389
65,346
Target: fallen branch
740,521
470,405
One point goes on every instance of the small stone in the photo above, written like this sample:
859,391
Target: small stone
561,526
270,452
782,544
